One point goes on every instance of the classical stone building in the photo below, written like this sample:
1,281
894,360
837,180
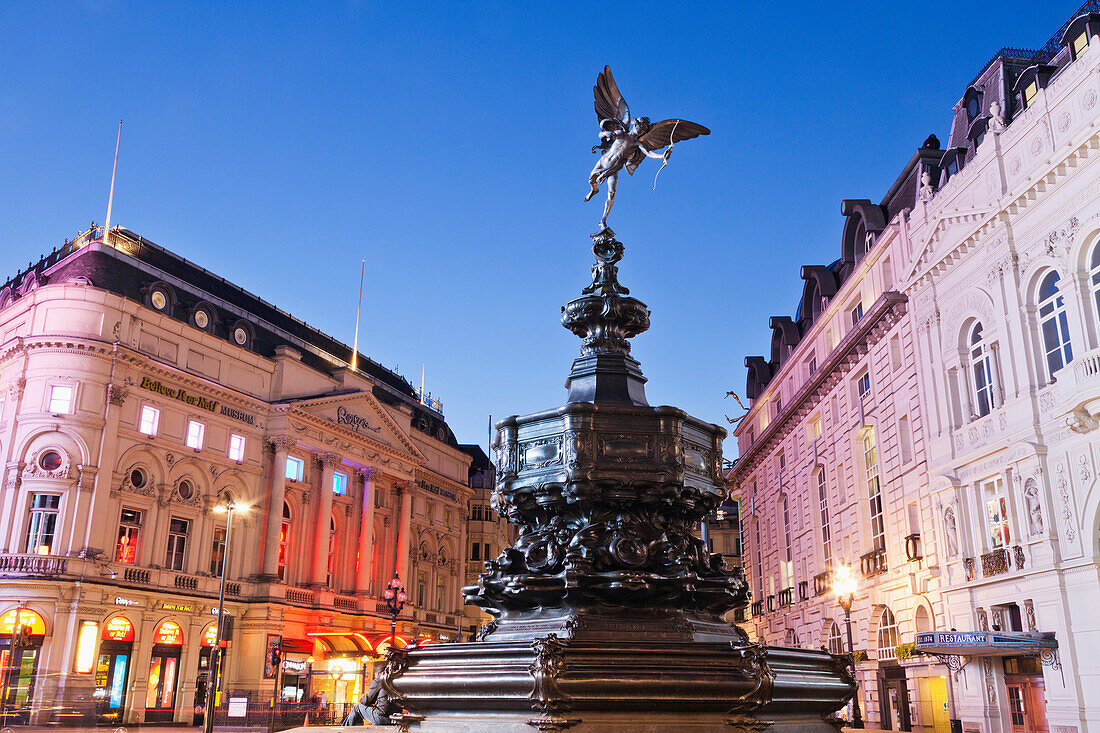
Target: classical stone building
138,391
960,469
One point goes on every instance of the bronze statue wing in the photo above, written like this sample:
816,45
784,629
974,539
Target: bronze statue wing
610,104
667,132
635,161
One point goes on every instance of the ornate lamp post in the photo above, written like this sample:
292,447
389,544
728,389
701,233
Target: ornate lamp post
395,598
227,506
844,586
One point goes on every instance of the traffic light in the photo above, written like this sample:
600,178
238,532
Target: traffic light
276,656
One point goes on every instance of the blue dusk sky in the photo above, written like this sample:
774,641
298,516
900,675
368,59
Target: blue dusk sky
279,144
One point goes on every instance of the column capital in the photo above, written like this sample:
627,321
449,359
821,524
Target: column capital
282,442
365,474
329,460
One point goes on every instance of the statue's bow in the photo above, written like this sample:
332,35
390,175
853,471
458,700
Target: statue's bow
668,153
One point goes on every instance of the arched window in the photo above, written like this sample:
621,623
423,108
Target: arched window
1094,271
1054,325
331,549
792,637
835,642
826,530
874,491
284,542
923,622
887,635
980,371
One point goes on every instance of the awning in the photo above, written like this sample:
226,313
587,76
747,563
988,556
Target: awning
343,642
987,643
297,646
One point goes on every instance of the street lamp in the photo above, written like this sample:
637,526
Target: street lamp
395,597
844,587
227,507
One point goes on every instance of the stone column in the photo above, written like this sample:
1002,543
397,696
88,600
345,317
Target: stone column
404,529
323,520
282,444
366,533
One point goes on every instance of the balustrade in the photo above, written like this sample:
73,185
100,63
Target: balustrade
913,550
786,597
873,563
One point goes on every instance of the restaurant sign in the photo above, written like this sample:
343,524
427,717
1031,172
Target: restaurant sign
985,643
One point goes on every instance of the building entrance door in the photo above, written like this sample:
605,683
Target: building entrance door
110,681
1026,690
895,699
160,700
18,683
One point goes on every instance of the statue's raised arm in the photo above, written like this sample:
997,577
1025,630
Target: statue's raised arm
627,141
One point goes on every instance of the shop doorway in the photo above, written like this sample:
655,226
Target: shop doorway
934,711
895,699
1026,692
113,669
21,633
160,697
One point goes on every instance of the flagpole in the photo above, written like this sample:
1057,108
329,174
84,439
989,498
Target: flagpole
111,196
358,308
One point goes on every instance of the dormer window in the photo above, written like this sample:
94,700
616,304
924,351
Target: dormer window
1078,32
1031,91
973,107
1080,43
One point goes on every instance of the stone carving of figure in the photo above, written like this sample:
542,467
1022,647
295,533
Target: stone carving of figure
952,531
996,119
1034,508
926,190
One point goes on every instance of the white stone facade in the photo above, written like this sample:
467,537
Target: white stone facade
106,510
990,502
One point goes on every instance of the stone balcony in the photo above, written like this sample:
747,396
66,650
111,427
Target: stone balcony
1001,561
1077,391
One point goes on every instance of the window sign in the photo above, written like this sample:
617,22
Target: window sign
26,617
208,635
169,632
118,628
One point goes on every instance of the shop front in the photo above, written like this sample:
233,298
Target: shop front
160,697
202,677
1021,657
113,669
21,634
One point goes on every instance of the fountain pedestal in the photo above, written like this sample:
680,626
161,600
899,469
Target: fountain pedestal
608,610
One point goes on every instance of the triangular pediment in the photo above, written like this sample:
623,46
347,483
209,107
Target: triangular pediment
359,414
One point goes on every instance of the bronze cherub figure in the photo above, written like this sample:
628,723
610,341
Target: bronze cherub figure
627,141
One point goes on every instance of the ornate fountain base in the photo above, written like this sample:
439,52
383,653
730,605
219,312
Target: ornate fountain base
608,609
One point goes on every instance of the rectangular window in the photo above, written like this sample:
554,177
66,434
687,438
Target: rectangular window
150,419
195,432
440,593
61,398
895,352
475,551
43,523
379,501
863,385
217,552
129,536
340,484
421,587
813,430
905,438
1030,93
236,447
857,313
786,567
996,513
1080,43
811,365
284,548
177,544
295,468
488,552
782,460
826,530
874,491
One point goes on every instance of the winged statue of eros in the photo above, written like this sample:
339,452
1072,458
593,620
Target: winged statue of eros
626,141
